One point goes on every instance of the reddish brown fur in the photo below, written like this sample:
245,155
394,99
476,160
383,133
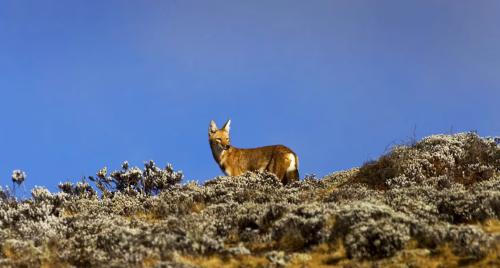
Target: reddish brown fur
234,161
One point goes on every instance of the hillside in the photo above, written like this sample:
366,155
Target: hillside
431,203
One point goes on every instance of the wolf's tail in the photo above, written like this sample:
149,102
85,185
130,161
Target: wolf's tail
293,175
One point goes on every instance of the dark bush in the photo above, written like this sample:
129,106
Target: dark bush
150,181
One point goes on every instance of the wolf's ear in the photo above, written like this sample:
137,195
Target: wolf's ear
227,125
212,128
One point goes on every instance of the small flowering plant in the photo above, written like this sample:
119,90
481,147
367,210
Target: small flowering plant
18,176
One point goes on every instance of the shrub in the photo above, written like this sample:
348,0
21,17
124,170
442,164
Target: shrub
150,181
435,194
465,158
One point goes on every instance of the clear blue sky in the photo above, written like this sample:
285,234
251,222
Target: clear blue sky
87,84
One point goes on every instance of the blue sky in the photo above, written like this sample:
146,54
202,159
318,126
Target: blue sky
87,84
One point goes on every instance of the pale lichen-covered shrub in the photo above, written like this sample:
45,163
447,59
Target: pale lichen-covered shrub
354,192
371,230
465,241
433,195
465,158
302,227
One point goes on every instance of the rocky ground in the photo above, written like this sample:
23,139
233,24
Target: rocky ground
435,203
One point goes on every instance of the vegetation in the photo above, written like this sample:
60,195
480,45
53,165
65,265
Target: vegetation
435,203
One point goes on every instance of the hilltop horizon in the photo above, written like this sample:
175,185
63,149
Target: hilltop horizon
95,83
183,179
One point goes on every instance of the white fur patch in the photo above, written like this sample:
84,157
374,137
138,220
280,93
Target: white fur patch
222,161
293,165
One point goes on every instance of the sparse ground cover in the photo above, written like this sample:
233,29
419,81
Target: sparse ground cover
432,204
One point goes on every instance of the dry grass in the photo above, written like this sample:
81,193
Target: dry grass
198,207
223,262
444,257
261,247
16,252
492,226
334,181
323,255
331,256
291,241
50,258
150,262
412,256
65,212
491,260
144,216
375,173
21,254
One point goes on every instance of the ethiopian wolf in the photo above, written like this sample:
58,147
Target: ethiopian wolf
277,159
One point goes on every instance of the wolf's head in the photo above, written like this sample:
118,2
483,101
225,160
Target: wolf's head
219,138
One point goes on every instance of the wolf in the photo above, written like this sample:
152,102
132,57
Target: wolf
277,159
